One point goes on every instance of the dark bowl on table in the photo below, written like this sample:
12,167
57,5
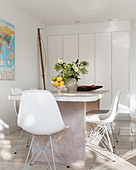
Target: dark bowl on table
88,88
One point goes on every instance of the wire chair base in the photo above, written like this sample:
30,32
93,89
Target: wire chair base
99,134
22,140
42,149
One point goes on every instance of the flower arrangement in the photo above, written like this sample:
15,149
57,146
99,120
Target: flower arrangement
71,70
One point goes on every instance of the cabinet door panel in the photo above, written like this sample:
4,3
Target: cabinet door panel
54,52
86,53
120,68
103,66
70,48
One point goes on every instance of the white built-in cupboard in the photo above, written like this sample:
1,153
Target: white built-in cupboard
107,54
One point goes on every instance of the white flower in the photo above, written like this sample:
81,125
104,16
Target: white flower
76,69
60,61
74,66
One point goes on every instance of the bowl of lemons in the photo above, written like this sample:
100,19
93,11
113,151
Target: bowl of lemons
59,83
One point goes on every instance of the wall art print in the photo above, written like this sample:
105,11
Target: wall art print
7,51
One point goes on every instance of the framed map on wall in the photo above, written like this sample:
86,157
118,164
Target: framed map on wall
7,51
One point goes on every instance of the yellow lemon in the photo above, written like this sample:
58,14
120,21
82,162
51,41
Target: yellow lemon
59,78
62,83
59,84
55,83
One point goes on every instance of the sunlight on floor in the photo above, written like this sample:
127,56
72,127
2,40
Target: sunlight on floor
5,145
130,154
125,152
3,125
2,136
5,154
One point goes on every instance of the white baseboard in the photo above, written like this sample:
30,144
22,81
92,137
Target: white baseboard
123,116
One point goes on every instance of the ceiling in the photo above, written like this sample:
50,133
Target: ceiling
65,12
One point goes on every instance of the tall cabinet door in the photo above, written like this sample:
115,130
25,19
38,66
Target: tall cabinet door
54,52
103,66
70,48
120,68
86,53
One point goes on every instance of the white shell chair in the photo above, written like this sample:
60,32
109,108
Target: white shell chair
100,112
39,115
21,140
102,126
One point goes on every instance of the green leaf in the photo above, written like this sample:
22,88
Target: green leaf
84,70
77,61
58,67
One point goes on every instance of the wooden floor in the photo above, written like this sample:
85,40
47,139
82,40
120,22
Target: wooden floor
125,152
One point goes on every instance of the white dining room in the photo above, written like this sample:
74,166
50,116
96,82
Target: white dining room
67,84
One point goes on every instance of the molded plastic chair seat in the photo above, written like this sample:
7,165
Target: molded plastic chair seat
39,114
92,118
48,132
94,115
44,118
103,125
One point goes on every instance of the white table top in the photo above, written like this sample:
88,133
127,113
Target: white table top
84,96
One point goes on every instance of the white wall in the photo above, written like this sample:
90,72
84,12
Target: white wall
88,28
27,74
96,28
